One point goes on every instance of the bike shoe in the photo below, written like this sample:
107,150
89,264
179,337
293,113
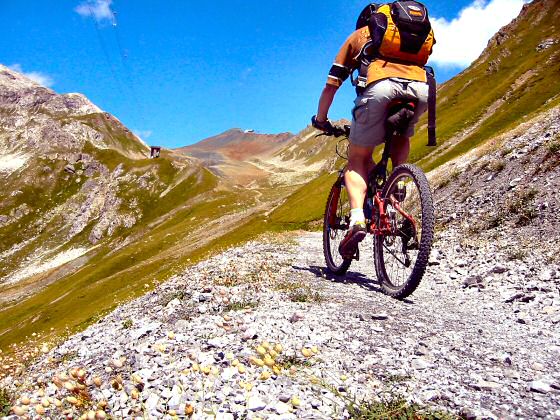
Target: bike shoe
354,236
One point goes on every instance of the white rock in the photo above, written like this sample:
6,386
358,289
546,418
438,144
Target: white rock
255,403
419,364
540,386
281,408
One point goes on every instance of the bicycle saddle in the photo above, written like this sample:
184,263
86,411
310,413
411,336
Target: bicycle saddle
399,114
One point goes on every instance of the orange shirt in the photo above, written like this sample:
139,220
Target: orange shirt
347,61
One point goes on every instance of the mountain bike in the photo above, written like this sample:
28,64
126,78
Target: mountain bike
399,214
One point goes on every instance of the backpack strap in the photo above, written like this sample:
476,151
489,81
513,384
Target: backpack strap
365,58
432,96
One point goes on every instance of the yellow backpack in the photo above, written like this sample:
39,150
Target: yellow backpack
401,32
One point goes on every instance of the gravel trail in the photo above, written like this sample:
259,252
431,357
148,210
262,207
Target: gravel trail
473,340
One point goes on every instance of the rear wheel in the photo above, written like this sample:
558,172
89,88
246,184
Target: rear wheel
335,225
401,258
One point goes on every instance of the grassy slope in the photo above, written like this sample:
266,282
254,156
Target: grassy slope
109,273
112,276
465,99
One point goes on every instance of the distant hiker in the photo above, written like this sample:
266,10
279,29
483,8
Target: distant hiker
389,48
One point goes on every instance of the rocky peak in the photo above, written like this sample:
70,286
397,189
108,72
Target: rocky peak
18,91
533,12
36,120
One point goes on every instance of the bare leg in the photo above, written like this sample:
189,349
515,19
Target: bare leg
400,148
356,174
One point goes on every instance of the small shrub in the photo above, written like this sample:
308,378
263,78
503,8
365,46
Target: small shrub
447,179
299,293
180,294
483,165
286,362
496,165
127,323
395,407
239,306
386,404
554,146
5,402
521,205
67,357
506,152
516,254
304,295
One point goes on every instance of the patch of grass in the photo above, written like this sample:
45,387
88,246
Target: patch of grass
386,404
179,294
305,205
282,238
449,178
554,146
288,361
299,293
305,295
496,165
392,407
506,151
491,221
127,323
241,305
6,399
515,254
521,204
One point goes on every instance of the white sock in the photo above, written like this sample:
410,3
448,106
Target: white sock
357,215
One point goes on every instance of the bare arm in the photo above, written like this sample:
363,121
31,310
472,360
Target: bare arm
325,102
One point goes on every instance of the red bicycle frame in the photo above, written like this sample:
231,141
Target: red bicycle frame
385,228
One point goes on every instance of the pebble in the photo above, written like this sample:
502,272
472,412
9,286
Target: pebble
296,316
540,387
281,408
255,403
284,398
419,364
487,385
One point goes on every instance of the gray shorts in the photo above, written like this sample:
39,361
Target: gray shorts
370,110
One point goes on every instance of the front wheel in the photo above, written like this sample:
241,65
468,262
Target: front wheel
335,225
401,258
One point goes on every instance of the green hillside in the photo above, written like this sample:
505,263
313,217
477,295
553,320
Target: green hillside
516,77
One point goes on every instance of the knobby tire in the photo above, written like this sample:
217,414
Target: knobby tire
335,194
427,230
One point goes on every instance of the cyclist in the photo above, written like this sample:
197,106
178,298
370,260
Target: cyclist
389,68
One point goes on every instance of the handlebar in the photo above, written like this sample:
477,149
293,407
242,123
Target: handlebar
338,131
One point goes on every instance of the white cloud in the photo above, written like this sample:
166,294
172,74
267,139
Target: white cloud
461,40
98,9
41,78
143,134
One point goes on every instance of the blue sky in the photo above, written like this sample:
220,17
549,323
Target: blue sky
180,71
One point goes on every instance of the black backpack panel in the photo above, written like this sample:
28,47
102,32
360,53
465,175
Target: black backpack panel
411,18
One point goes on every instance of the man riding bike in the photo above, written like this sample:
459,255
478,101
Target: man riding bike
390,64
